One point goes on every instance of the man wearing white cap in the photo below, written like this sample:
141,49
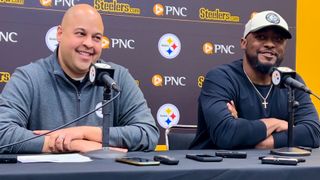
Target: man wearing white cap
240,108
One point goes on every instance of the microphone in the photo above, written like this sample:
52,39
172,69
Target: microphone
284,76
101,74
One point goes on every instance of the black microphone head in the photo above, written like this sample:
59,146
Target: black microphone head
285,77
279,74
97,70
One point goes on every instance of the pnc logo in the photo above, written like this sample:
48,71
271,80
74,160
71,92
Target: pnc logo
158,9
137,82
210,48
169,46
157,80
117,43
253,14
46,3
168,115
105,42
8,37
50,3
207,48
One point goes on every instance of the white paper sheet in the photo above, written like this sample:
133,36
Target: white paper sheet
58,158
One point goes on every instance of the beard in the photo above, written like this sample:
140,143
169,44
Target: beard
261,67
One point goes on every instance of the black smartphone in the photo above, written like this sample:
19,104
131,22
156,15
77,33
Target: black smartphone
232,154
204,157
300,159
166,159
6,158
279,160
138,161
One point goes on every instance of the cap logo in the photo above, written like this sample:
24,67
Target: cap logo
273,18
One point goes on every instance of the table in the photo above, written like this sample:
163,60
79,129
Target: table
250,168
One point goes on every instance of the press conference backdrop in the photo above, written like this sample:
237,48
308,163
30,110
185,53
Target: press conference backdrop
168,46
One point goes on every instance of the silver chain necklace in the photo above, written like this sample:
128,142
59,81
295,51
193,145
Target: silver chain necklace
264,103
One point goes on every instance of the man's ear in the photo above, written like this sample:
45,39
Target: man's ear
59,33
243,43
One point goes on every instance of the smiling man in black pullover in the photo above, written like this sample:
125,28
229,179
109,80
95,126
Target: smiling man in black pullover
238,105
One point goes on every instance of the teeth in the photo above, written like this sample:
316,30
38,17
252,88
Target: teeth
84,53
268,53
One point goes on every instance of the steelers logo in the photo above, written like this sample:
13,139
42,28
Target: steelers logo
168,115
273,18
99,111
276,77
169,46
51,38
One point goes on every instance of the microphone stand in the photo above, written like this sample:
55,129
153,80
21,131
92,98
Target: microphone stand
107,121
106,152
290,150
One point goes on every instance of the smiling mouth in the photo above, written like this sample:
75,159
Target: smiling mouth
85,53
269,54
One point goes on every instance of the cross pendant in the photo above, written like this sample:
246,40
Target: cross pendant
265,103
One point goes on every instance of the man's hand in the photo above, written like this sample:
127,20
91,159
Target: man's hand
60,141
74,146
232,109
268,143
74,139
274,125
84,146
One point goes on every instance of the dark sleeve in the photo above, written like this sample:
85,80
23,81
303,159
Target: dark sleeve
225,131
306,130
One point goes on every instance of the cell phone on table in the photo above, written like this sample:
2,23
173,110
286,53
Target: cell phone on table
300,159
7,158
138,161
204,157
279,160
232,154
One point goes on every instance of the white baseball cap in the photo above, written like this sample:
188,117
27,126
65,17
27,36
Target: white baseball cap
265,19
